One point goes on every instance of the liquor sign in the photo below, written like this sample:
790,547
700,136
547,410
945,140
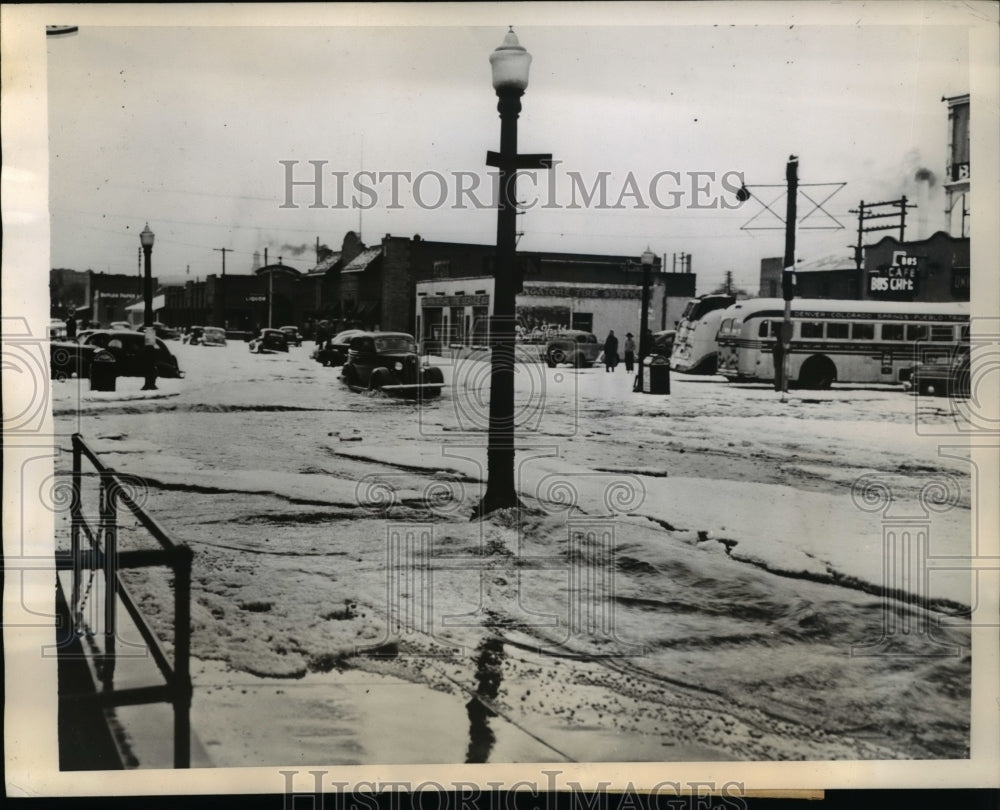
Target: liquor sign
898,280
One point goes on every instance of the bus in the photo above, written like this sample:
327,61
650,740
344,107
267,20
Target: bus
695,350
838,341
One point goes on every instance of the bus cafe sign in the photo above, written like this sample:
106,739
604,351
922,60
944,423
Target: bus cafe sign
899,279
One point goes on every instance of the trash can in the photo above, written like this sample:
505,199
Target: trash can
103,372
656,375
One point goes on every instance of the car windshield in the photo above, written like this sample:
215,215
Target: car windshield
215,333
395,344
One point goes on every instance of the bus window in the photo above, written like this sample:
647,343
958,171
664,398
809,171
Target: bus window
916,331
765,329
812,329
837,330
892,331
942,333
862,331
965,334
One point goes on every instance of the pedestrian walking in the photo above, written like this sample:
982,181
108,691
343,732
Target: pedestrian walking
629,352
610,352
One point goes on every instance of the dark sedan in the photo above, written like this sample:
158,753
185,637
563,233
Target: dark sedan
943,376
580,349
128,349
334,351
389,361
269,341
68,359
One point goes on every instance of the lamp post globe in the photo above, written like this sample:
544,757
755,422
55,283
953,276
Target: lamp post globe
510,63
146,240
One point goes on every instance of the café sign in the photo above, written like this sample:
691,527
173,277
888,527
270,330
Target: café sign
899,279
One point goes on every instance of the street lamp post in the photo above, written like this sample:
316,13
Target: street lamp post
149,349
647,266
509,63
146,240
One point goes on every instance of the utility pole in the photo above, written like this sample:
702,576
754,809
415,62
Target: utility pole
222,287
868,211
788,273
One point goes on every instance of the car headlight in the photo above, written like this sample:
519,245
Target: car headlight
398,365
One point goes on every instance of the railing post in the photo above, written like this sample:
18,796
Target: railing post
109,522
182,657
76,501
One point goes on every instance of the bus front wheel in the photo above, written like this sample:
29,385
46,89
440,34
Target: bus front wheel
818,372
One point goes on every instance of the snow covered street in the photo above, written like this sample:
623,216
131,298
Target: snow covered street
695,576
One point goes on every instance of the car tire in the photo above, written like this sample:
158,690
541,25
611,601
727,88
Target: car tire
557,356
349,375
432,376
380,376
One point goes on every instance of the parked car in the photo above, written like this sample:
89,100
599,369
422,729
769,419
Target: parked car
334,351
943,376
164,332
57,329
581,349
67,358
213,336
292,333
128,349
193,335
269,340
389,361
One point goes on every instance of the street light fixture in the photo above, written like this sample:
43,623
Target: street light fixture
146,240
648,258
510,63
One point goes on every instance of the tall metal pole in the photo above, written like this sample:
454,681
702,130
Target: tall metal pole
500,489
147,287
788,274
647,264
222,288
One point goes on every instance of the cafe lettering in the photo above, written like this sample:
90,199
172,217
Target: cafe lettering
897,280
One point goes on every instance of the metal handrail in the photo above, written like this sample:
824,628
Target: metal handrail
104,555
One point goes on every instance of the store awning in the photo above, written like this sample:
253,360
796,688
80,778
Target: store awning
159,302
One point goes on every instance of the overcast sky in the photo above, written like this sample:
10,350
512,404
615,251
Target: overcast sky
184,127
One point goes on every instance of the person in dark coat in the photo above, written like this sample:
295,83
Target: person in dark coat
71,327
629,352
610,352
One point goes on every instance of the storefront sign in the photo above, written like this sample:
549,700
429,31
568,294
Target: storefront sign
899,279
583,292
455,301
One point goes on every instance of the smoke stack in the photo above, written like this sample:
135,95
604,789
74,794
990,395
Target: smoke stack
925,180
